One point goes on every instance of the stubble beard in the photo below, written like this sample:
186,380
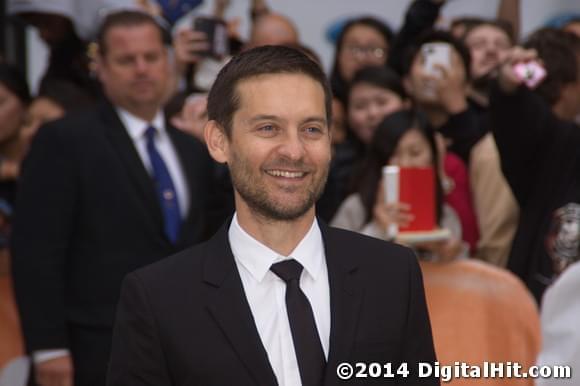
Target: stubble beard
255,194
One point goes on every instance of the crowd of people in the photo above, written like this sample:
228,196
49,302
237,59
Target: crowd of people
106,168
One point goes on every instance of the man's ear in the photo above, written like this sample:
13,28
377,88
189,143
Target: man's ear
216,141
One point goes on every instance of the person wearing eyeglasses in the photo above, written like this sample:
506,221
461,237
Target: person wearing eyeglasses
362,42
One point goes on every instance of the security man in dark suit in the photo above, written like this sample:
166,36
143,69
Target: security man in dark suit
103,193
276,297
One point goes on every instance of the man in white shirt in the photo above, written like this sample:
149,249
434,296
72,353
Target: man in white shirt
275,297
102,193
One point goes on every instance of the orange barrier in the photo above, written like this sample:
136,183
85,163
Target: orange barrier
481,313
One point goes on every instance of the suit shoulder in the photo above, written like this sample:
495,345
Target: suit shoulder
367,249
72,126
187,261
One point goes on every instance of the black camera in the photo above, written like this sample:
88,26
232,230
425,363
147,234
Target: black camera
217,35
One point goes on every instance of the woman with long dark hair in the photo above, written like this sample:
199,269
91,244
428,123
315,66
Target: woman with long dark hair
373,93
404,139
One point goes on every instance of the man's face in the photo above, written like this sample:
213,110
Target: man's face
134,69
489,46
279,149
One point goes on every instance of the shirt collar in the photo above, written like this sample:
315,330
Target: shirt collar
136,126
258,258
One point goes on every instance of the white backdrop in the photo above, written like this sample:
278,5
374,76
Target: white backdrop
314,16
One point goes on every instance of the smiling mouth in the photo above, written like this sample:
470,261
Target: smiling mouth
285,173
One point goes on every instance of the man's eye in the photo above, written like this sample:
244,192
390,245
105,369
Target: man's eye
151,58
267,130
313,130
124,60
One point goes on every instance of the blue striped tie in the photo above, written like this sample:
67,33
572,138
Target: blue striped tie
165,189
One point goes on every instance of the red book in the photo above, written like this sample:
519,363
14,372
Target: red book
417,188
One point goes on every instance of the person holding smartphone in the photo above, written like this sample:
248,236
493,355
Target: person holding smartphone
538,143
436,75
439,86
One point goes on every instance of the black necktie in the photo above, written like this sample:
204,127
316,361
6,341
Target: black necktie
311,360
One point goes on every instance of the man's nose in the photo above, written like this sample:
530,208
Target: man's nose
141,65
292,146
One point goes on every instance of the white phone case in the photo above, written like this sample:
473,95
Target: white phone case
436,53
391,189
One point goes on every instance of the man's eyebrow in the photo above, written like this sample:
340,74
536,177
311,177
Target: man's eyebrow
314,119
264,117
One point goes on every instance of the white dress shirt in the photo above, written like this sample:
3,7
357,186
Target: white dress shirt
136,128
266,294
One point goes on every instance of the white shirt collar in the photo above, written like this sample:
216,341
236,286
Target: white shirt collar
258,258
136,126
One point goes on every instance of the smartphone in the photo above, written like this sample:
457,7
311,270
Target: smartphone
217,35
436,53
531,73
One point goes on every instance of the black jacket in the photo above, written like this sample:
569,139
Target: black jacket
186,320
86,215
540,158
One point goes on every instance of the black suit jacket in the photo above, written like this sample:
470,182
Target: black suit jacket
186,320
86,215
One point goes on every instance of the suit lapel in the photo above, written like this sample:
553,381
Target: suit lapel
345,298
125,149
231,311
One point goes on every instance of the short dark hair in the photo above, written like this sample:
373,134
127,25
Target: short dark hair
466,22
223,100
434,36
15,81
503,25
125,18
379,76
560,51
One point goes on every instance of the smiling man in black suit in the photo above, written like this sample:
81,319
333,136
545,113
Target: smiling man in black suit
275,297
103,193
